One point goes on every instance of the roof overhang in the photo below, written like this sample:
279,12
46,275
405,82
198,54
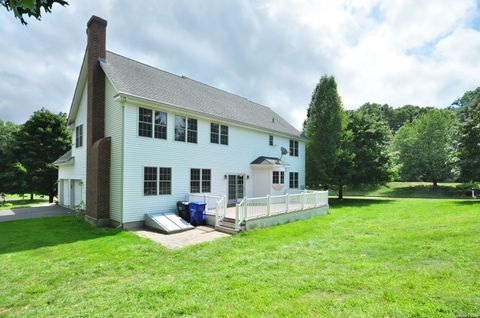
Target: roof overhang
77,96
263,161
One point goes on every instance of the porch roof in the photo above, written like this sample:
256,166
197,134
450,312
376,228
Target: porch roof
263,160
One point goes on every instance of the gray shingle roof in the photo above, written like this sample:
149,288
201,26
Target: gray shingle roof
66,157
262,160
134,78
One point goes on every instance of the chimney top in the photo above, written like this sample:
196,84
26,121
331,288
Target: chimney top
95,19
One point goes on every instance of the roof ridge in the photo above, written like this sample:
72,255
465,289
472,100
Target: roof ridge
186,77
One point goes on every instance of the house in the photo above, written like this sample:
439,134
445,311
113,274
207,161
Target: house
143,139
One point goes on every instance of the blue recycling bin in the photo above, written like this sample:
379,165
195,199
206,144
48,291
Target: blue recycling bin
197,212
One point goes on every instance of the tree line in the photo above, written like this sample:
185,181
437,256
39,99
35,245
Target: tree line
27,152
377,143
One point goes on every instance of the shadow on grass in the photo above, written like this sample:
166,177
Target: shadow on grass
465,202
357,202
31,234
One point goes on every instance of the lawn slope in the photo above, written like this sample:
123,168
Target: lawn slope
368,258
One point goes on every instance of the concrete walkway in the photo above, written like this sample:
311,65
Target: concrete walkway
197,235
40,211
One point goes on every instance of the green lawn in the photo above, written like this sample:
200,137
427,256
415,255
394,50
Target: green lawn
14,201
408,190
368,258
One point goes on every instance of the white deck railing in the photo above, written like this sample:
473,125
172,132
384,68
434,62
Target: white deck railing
253,208
215,204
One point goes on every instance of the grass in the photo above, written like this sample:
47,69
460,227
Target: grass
368,258
14,201
408,190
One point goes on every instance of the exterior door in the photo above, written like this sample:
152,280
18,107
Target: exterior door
235,188
72,193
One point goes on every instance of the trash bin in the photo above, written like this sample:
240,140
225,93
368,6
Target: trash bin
183,211
197,212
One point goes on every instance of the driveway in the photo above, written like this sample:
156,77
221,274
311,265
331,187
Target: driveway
33,212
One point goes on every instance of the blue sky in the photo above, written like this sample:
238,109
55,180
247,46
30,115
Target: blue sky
272,52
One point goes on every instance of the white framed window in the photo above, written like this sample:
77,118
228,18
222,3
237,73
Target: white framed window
200,180
186,129
157,180
293,180
149,181
218,134
278,177
79,136
294,148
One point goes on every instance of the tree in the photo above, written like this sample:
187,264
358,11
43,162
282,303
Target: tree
323,128
7,139
30,7
39,142
362,155
425,150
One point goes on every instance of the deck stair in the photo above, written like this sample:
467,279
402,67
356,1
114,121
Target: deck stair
227,225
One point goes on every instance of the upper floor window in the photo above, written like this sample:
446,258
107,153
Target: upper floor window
218,134
186,130
79,136
294,148
294,180
145,122
200,180
270,140
160,125
278,177
152,123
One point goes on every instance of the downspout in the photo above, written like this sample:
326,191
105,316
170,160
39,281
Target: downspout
122,141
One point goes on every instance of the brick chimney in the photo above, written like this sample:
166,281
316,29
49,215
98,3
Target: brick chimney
98,146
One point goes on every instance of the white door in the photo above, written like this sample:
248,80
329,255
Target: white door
72,193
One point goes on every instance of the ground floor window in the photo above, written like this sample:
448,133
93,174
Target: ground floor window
294,180
150,181
157,180
200,180
278,177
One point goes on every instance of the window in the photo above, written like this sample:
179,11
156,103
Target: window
278,177
160,125
180,128
218,134
79,136
294,148
224,135
294,180
144,122
270,140
214,133
200,180
184,132
206,180
164,180
192,131
150,181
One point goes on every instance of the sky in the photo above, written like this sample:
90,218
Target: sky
273,52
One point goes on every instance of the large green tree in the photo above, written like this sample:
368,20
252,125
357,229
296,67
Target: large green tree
362,155
425,147
31,8
323,128
8,131
468,112
39,142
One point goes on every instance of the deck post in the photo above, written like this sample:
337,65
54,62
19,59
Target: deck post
302,200
237,218
268,205
286,202
245,208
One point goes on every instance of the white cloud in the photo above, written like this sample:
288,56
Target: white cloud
272,52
